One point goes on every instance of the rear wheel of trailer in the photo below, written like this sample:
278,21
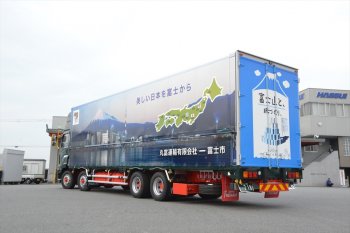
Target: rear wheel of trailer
139,185
160,187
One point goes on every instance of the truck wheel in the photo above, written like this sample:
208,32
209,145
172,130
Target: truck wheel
209,196
28,181
139,185
37,181
83,183
160,187
68,180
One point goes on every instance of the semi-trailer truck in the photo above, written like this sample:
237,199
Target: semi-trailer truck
33,171
216,130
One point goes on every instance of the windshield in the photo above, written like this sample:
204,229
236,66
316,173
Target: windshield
65,140
64,160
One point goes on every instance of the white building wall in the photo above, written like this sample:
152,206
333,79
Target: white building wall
317,173
58,122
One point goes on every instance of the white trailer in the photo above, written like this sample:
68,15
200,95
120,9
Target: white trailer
33,171
11,163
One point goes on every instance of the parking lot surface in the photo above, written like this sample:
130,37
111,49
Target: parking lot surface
49,208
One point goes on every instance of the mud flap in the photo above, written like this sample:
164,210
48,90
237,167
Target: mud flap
229,190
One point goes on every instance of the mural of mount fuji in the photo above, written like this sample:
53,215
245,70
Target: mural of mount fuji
217,116
212,113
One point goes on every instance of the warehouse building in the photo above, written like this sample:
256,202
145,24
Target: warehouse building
58,125
325,132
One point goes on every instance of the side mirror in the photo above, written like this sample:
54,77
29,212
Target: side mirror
53,140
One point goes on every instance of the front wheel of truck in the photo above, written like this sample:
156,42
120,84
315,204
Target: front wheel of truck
160,187
139,185
68,181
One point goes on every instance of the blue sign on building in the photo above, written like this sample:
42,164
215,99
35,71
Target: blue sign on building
332,95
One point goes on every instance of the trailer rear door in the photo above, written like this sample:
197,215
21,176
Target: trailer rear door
268,113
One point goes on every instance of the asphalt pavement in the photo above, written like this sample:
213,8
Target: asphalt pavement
50,209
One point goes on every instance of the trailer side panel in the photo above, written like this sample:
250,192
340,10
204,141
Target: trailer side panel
186,120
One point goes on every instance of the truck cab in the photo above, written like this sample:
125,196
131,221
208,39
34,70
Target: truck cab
63,153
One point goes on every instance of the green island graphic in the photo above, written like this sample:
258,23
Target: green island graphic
187,114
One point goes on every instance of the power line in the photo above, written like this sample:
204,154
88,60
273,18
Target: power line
25,146
25,120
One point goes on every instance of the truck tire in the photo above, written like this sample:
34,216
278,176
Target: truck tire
82,181
28,181
139,185
37,181
160,187
68,181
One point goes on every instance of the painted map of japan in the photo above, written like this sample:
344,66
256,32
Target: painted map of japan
189,114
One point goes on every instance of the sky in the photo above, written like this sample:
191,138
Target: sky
55,55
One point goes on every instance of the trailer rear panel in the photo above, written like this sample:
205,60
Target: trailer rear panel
268,113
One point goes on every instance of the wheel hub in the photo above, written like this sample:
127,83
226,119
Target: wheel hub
158,186
66,179
82,180
136,185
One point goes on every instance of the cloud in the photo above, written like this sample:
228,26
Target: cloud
257,72
286,84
